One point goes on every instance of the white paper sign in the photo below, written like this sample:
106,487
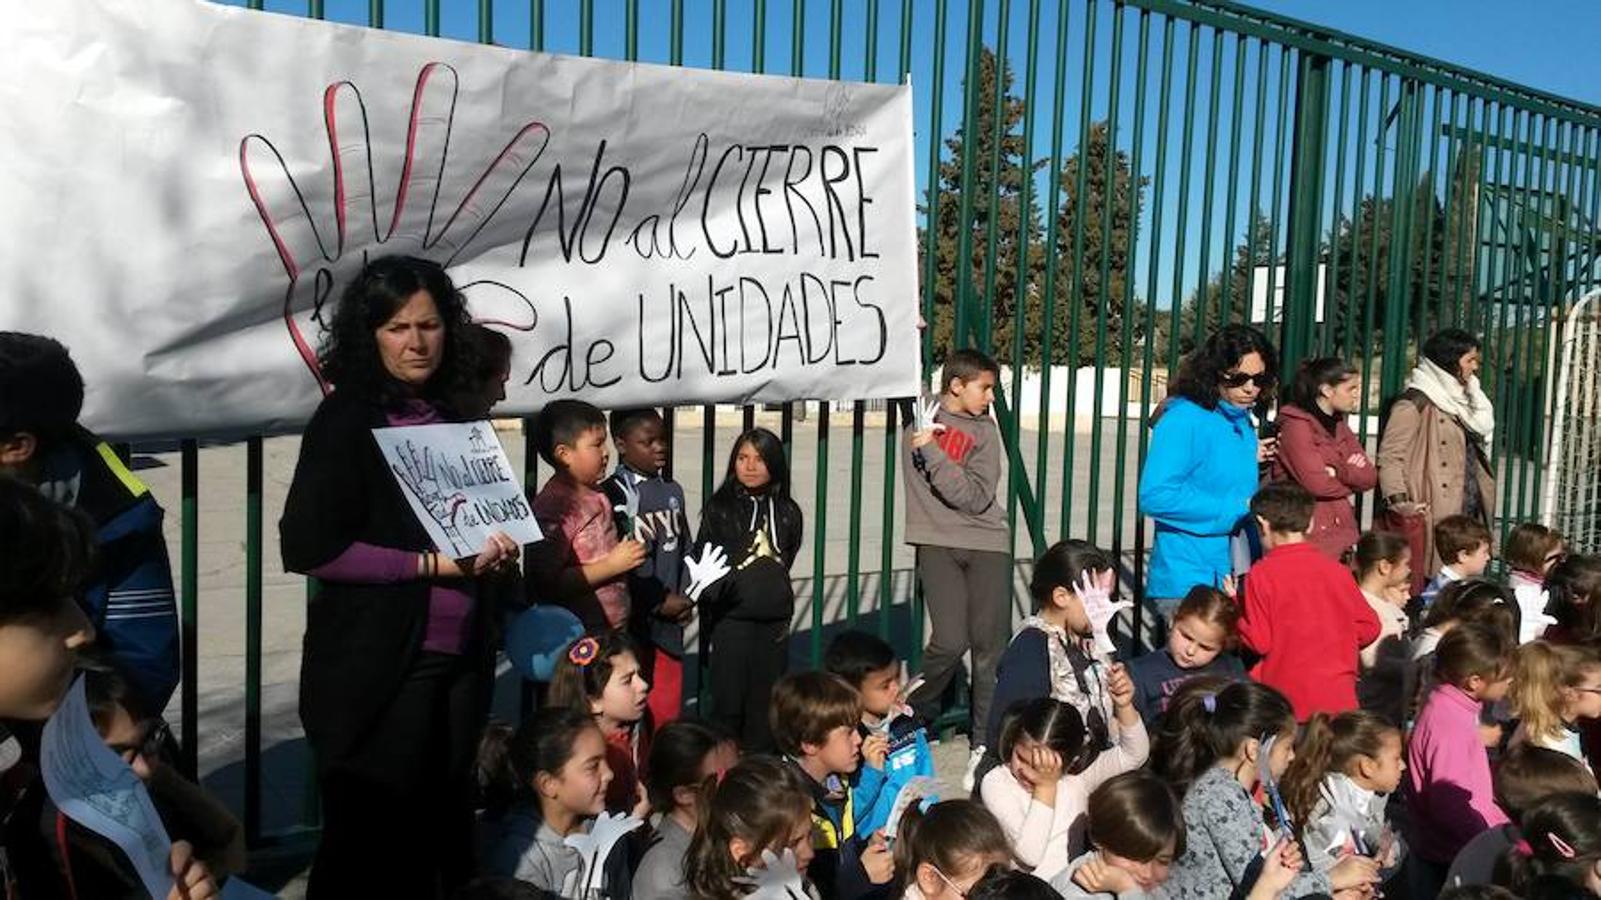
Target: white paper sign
459,483
95,788
189,188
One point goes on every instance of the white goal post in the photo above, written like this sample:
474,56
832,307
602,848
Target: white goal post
1572,496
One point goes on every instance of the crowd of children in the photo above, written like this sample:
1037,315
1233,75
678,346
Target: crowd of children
1314,730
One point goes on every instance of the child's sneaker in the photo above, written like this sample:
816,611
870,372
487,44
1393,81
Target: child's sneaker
969,776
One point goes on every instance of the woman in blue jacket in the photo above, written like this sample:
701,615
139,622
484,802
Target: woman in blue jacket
1203,464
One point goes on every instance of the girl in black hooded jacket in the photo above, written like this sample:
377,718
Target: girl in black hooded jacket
746,615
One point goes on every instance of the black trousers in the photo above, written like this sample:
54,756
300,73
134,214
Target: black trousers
747,659
397,813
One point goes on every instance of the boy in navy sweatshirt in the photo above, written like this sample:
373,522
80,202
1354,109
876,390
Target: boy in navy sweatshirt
657,519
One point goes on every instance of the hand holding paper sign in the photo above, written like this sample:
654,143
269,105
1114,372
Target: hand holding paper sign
1095,592
706,571
924,428
314,265
630,505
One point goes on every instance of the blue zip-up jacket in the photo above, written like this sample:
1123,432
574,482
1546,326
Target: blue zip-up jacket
130,599
873,790
1197,484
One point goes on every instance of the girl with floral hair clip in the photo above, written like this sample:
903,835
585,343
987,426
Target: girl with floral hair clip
599,676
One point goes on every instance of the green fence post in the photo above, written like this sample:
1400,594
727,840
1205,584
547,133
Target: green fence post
253,490
189,581
1305,238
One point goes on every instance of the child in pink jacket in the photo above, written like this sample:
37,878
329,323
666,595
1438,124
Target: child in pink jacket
1448,769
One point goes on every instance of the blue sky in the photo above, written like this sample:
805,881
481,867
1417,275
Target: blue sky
1554,50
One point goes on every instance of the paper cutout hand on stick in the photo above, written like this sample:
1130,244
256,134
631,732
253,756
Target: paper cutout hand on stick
420,222
1096,595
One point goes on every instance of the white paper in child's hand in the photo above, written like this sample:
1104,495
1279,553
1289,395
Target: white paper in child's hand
902,705
778,878
1096,595
911,792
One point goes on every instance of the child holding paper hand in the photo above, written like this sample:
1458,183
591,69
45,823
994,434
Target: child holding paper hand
649,507
868,664
1056,652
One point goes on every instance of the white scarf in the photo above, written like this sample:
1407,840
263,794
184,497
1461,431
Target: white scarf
1467,404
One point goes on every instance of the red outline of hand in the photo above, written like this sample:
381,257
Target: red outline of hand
310,264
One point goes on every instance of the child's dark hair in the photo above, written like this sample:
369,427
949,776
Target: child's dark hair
1136,816
1002,883
1528,774
1312,375
806,706
950,835
1573,591
41,390
1285,506
966,364
1530,546
677,752
1214,607
1201,371
1327,745
1172,740
771,449
1213,726
623,421
561,423
1375,547
853,655
105,690
760,801
1062,565
1478,601
1471,649
1457,535
1561,841
585,668
50,552
509,759
1053,723
494,352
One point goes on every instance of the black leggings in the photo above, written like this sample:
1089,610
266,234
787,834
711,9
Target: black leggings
397,812
747,659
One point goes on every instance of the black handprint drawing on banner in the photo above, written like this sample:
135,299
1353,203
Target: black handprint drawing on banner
418,471
316,266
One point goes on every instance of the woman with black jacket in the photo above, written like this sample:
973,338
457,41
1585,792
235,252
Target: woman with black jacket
747,614
392,678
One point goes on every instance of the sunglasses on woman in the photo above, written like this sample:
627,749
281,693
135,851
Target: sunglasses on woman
1262,380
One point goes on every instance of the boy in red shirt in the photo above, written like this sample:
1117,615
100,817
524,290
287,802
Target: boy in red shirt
1304,613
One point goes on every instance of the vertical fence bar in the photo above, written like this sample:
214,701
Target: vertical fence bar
1398,291
1257,142
1281,125
1104,293
1305,239
1048,340
1142,58
1163,96
1203,255
1373,248
1075,346
964,241
931,231
1225,310
189,584
1349,298
1426,201
1181,218
1020,283
1330,291
985,335
820,534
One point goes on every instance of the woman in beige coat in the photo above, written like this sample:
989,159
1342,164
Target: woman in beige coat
1434,457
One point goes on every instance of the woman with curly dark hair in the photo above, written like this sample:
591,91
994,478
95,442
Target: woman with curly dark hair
1203,465
392,677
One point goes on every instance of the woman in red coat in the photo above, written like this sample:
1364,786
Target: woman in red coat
1318,451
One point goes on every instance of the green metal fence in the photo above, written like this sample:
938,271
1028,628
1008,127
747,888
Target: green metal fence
1162,167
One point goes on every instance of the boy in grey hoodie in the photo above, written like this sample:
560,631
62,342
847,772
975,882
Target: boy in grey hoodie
952,464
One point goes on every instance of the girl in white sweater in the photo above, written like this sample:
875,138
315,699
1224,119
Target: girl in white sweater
1041,793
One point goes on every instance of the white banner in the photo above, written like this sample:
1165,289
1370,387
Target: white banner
459,483
189,187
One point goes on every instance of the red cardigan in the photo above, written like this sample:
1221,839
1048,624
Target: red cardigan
1306,452
1307,618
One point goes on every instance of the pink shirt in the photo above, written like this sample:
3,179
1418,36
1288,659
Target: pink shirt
1448,777
577,521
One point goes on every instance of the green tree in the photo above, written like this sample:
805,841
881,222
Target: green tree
1094,298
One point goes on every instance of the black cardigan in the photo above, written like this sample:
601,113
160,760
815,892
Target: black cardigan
360,638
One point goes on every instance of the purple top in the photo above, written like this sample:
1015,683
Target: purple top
450,607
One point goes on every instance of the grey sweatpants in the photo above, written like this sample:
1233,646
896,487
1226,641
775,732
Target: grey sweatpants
968,594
